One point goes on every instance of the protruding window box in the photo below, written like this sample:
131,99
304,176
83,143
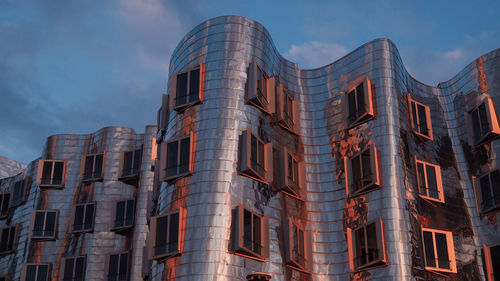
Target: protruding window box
357,104
117,267
260,89
366,245
36,272
287,113
94,168
430,183
177,158
297,244
167,235
44,225
482,123
51,173
4,205
420,119
187,87
73,269
124,216
439,252
255,158
487,191
292,174
362,171
20,191
130,166
9,237
251,235
491,262
83,217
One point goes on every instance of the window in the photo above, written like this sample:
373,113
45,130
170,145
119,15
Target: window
438,250
491,262
260,89
94,165
36,272
118,267
358,104
8,239
177,158
186,88
84,217
130,165
51,173
167,234
366,246
483,123
362,171
162,117
430,185
44,224
420,119
19,192
255,157
287,111
292,174
4,204
487,190
297,246
250,234
74,269
124,216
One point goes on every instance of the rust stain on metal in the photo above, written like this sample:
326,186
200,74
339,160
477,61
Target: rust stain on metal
347,143
360,276
492,219
481,76
355,213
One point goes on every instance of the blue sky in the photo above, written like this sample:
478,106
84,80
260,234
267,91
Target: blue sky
77,66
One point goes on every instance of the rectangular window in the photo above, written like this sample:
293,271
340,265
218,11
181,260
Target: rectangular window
260,89
362,171
287,110
292,174
177,158
186,88
430,184
487,190
420,119
19,192
51,173
84,217
73,269
250,234
8,239
36,272
255,157
167,233
118,267
439,252
367,246
124,215
483,123
44,224
94,167
491,261
4,205
297,248
162,117
130,165
358,104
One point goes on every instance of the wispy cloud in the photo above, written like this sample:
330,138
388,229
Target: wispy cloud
315,54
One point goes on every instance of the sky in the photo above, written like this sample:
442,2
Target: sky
73,67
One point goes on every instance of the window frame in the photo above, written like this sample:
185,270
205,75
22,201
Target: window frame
164,158
288,234
182,213
108,262
23,185
299,183
412,103
173,88
63,267
439,181
490,270
239,234
162,117
449,245
492,119
93,178
289,123
51,184
73,216
382,259
476,182
245,167
4,204
32,226
368,96
13,237
124,227
374,164
263,101
135,172
25,268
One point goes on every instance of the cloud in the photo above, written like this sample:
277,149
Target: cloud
315,54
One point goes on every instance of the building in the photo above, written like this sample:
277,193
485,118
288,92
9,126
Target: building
351,171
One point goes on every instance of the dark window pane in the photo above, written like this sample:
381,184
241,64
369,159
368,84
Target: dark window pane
50,224
257,241
260,147
43,271
98,166
484,182
429,249
127,163
123,266
130,211
371,243
253,152
5,204
120,213
476,126
31,273
432,181
68,269
360,98
39,223
161,235
137,160
495,184
422,120
356,173
173,235
353,111
89,216
442,251
415,118
184,157
247,229
421,179
47,171
360,257
12,234
495,261
260,90
79,213
367,169
182,80
79,268
113,265
172,158
483,117
194,85
4,241
89,165
58,172
18,192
